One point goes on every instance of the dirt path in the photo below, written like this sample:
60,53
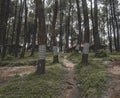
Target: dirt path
70,88
114,86
6,73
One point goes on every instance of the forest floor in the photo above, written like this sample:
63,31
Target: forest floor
70,87
70,84
113,90
6,73
64,74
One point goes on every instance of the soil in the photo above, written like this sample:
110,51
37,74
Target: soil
6,73
70,87
114,82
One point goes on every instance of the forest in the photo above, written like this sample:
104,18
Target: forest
59,49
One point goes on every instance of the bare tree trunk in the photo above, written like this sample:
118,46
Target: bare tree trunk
18,32
3,25
61,29
109,30
25,31
42,37
86,34
34,34
96,33
54,41
117,27
113,26
14,27
68,18
80,35
92,19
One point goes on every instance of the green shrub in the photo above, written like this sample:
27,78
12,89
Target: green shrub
101,53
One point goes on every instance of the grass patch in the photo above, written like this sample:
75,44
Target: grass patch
74,57
35,86
27,58
10,60
92,78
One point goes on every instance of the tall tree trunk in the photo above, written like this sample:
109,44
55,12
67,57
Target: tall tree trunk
96,33
117,27
71,26
25,30
92,19
14,27
42,37
109,31
61,29
113,25
54,41
68,18
86,33
18,32
79,24
3,25
34,34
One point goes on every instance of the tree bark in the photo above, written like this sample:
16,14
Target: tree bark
117,27
68,18
42,37
25,30
79,24
96,33
34,34
86,33
3,26
11,50
54,41
61,28
18,32
113,25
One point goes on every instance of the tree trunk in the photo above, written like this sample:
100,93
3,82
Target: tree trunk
109,30
117,27
96,33
86,34
79,24
11,50
42,37
113,26
54,41
68,18
34,34
61,29
92,19
18,32
3,26
25,30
